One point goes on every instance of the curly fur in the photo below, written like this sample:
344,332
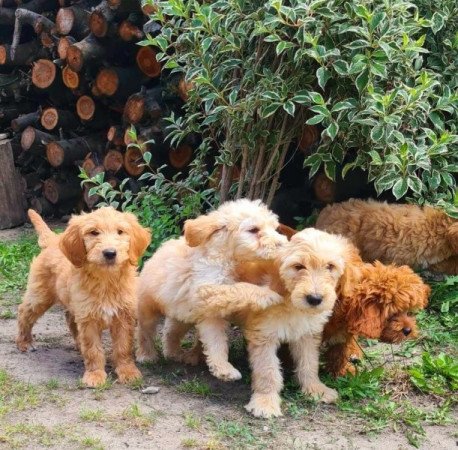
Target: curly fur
313,263
206,256
391,233
97,293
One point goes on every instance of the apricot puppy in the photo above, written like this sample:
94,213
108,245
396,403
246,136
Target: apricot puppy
91,270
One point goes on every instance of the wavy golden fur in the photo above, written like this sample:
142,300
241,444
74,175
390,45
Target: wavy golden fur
91,270
421,237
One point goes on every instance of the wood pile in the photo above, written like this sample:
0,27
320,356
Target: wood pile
72,82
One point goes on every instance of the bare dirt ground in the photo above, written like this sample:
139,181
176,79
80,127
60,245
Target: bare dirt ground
47,408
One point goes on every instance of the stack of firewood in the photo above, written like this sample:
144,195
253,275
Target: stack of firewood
72,82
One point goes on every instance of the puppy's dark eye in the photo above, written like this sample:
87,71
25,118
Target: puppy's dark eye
120,232
95,233
253,230
298,267
330,267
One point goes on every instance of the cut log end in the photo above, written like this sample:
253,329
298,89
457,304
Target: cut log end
51,191
65,20
324,188
181,156
3,54
46,40
55,155
107,82
308,137
63,45
85,107
98,24
88,164
113,161
43,73
134,108
128,31
115,135
70,78
183,89
49,118
133,161
147,62
75,58
148,9
27,138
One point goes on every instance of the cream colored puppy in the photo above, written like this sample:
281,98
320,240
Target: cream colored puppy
306,273
207,255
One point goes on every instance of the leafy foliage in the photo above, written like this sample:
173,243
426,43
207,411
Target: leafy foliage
376,76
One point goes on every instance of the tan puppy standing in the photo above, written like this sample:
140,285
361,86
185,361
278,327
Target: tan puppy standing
207,255
307,274
91,270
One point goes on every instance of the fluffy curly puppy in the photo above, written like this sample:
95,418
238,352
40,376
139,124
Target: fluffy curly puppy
91,270
207,255
391,233
306,274
378,304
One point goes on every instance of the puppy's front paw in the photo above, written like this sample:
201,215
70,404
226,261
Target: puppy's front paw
192,357
269,298
225,372
321,392
264,405
128,373
143,356
94,378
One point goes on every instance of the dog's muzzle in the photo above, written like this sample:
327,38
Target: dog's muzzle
314,299
109,254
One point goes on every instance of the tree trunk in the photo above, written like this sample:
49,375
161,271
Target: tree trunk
181,156
25,54
67,152
144,105
35,141
113,161
85,52
147,62
11,194
25,120
119,82
58,118
61,192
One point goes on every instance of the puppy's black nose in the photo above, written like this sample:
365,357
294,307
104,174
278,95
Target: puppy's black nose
109,254
314,299
406,331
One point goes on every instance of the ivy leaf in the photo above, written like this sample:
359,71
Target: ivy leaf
317,98
289,107
376,159
415,184
315,120
437,22
147,157
341,106
330,170
400,188
341,67
323,75
377,133
332,130
269,110
436,120
361,80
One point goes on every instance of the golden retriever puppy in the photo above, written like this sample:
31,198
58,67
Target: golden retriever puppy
391,233
207,255
91,270
307,274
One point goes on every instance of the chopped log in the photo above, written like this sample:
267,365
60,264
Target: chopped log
113,161
181,156
85,107
60,192
133,161
84,52
70,78
25,120
119,82
216,176
35,141
25,54
15,143
129,31
91,160
43,73
100,19
324,188
63,44
42,206
309,136
37,21
66,152
48,41
13,86
148,9
115,135
143,134
183,89
147,62
38,6
144,105
8,112
73,20
125,6
57,118
32,181
11,194
7,16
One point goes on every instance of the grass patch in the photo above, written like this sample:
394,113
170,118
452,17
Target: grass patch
234,434
191,421
21,434
92,443
91,415
196,387
136,418
189,443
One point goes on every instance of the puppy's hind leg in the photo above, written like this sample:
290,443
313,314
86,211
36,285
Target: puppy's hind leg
70,318
148,319
173,334
30,310
212,334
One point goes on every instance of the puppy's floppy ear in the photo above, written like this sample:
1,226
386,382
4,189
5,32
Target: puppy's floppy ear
365,318
286,231
352,272
140,238
72,245
452,236
198,231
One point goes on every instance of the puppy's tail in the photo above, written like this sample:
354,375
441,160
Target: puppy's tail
45,235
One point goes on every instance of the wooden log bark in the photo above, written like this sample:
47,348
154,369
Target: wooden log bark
63,44
144,105
324,188
25,120
39,6
113,161
25,54
9,111
7,16
35,141
125,6
85,52
11,194
43,73
70,78
181,156
66,152
101,19
147,62
74,20
133,161
129,31
119,82
60,192
42,206
52,118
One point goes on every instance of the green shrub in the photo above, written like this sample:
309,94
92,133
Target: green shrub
375,75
